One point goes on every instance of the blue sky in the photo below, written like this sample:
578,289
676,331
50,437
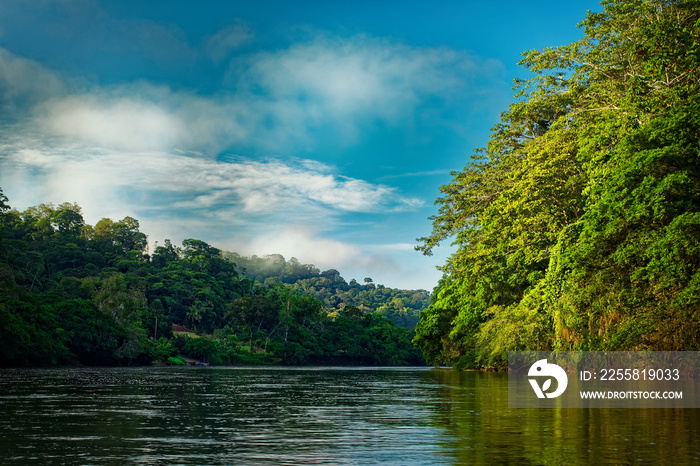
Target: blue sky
314,129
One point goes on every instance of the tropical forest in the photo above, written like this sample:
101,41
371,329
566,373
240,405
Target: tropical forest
78,294
577,228
342,232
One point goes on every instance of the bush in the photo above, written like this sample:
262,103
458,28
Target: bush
161,349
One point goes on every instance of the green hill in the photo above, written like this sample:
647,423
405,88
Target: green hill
73,293
402,307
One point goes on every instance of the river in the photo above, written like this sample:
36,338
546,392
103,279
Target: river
227,415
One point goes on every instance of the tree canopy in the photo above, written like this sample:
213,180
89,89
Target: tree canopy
578,226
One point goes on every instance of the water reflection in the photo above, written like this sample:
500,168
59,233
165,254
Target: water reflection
484,431
315,416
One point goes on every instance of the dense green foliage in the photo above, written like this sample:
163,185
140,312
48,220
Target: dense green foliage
402,307
76,293
578,226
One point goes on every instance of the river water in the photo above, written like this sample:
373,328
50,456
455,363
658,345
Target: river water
226,415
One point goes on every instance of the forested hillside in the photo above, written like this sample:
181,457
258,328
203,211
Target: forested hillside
402,307
73,293
578,226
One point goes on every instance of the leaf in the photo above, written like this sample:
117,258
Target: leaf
546,385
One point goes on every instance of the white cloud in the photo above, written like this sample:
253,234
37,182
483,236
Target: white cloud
359,74
281,99
197,185
129,124
353,82
143,117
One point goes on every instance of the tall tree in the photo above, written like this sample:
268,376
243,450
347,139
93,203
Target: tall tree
127,235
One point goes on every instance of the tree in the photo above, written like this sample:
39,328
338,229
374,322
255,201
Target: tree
569,224
206,258
103,229
4,206
126,234
68,218
194,249
253,313
165,254
298,310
